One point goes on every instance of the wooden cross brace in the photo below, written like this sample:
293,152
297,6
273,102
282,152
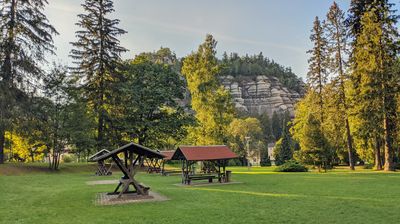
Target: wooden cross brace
154,165
129,169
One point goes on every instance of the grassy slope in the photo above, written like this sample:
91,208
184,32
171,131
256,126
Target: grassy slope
264,197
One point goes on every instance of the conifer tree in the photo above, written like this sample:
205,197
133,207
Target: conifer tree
314,145
26,37
276,126
356,11
318,63
96,55
337,47
283,150
210,100
374,82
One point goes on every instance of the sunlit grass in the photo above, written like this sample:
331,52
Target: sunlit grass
268,197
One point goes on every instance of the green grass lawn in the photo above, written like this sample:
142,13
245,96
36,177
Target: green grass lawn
338,196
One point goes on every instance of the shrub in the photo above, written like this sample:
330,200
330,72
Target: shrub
68,158
368,166
291,166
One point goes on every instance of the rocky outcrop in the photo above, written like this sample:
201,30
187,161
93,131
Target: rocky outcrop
260,94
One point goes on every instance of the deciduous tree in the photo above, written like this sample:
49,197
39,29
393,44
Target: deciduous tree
210,100
26,37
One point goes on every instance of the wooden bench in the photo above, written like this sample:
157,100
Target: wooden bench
170,172
201,177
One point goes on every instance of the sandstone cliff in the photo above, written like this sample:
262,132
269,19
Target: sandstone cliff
260,94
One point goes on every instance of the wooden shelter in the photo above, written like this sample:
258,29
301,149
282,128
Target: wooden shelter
153,165
103,169
133,158
168,157
214,159
156,165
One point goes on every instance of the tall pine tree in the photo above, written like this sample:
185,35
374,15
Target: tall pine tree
26,37
318,63
97,54
375,84
356,11
337,46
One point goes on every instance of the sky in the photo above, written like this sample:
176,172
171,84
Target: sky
278,28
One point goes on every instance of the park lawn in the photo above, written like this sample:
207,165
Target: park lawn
264,196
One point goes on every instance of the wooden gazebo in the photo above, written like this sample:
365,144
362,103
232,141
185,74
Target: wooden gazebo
157,165
168,157
214,159
102,168
133,158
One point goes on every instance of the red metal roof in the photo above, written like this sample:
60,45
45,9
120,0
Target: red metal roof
168,154
201,153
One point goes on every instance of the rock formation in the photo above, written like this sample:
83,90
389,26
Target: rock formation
260,94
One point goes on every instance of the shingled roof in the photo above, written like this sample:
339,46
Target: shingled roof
98,154
131,147
203,153
168,154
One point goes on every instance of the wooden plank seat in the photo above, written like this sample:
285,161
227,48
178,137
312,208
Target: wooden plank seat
170,172
201,177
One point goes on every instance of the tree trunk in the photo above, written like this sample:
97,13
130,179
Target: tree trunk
378,160
389,163
2,143
349,144
100,130
32,156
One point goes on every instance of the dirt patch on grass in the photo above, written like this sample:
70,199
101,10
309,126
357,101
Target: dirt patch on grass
200,184
102,182
15,169
106,199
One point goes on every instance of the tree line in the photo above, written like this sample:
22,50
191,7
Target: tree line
236,65
102,101
350,111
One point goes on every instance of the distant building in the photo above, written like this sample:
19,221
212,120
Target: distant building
254,158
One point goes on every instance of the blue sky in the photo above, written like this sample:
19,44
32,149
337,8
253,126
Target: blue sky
278,28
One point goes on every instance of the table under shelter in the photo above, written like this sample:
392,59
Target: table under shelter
103,169
133,157
213,159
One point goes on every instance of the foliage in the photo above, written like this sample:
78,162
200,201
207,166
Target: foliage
210,100
246,131
96,54
21,148
266,126
259,65
291,166
147,108
337,48
317,73
284,147
26,36
315,148
375,84
68,158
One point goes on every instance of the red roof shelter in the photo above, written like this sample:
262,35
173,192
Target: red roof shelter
214,159
157,165
168,154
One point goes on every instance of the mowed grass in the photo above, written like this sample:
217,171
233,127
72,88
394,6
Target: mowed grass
264,196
